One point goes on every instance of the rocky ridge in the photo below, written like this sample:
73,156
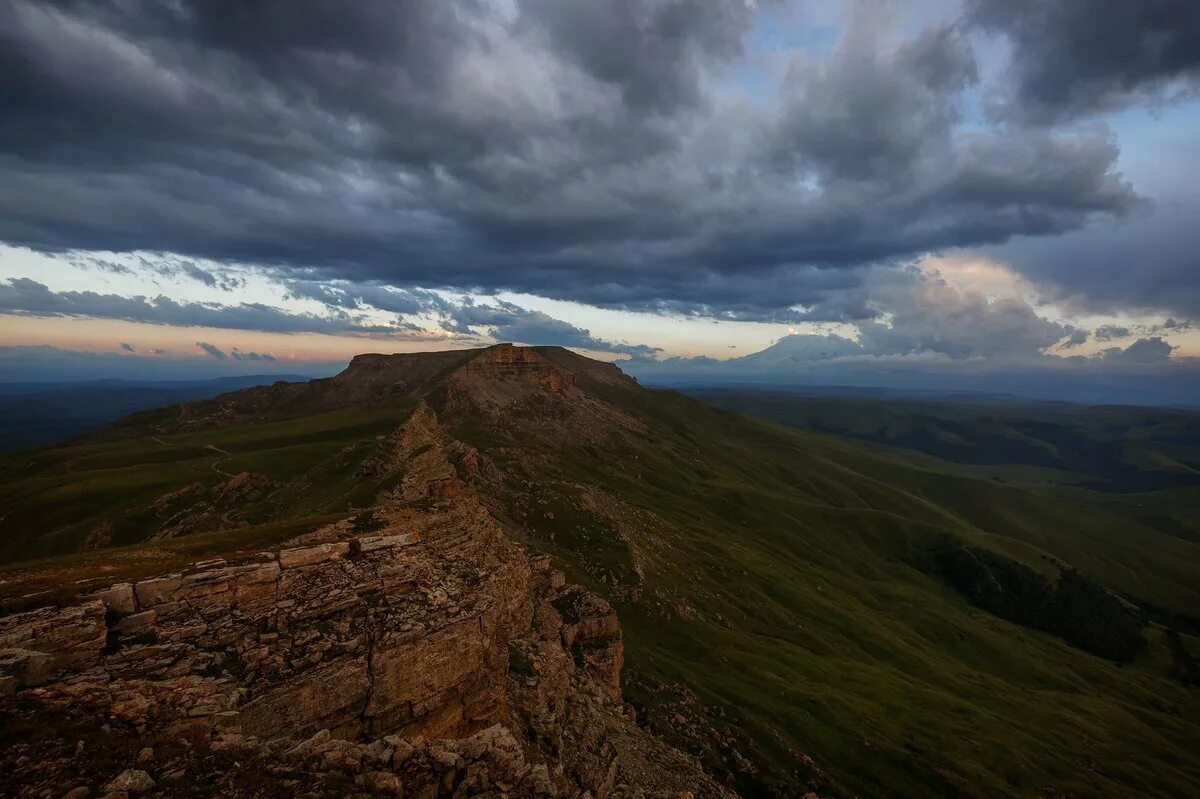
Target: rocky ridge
432,656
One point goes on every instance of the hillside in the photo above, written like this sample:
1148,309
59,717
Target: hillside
799,612
1109,448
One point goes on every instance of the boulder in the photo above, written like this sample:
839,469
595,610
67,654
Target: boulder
134,781
118,598
73,637
157,590
308,556
383,783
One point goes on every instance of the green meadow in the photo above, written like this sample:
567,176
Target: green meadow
771,574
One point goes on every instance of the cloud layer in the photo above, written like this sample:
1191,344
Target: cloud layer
29,297
580,151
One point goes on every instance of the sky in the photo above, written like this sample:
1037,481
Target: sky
958,193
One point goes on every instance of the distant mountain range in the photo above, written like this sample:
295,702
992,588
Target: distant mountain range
812,361
1106,447
37,413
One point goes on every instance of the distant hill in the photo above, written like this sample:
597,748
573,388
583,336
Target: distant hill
848,615
34,414
1107,447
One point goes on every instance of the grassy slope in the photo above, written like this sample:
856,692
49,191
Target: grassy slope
1115,448
52,498
775,585
790,550
1120,536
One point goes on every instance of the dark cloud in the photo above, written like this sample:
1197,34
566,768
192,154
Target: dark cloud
653,53
1148,260
26,296
242,355
1109,332
929,324
1144,350
963,326
212,350
915,360
937,336
508,322
196,273
173,267
504,321
928,317
127,347
1077,57
870,114
347,304
1075,339
573,150
92,262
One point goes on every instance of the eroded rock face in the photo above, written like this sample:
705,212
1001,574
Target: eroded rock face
197,509
424,454
431,655
42,644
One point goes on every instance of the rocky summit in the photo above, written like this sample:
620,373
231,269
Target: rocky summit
429,656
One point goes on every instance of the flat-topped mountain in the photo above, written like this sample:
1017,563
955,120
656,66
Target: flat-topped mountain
661,597
374,378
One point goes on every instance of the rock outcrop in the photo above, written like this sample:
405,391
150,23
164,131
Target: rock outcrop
198,509
430,657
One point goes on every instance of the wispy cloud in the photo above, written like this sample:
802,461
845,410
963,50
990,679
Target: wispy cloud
27,296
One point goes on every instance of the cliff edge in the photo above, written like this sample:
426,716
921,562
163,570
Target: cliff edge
428,656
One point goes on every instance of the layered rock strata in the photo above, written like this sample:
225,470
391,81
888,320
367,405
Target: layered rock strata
430,657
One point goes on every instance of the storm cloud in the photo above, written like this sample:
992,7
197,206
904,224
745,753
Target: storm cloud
571,150
1147,260
1072,58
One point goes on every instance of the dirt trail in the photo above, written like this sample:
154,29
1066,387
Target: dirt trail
216,465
